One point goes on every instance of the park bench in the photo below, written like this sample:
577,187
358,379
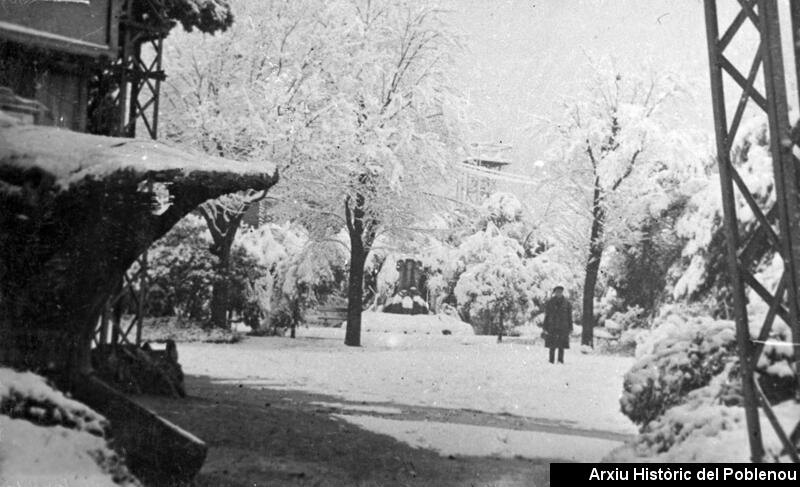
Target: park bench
332,316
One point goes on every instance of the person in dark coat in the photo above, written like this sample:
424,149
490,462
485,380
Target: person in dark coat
557,324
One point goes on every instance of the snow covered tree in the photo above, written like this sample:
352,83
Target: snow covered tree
390,133
621,158
238,94
308,275
223,217
702,274
350,97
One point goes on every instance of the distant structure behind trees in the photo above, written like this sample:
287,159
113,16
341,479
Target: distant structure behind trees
475,184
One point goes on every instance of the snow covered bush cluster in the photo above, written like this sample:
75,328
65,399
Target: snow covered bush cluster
494,287
276,273
487,267
502,276
685,392
299,272
689,432
502,208
48,437
181,271
707,426
681,355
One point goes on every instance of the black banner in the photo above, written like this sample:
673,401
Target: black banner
566,473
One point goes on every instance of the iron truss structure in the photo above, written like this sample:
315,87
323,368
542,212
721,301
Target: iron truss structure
142,30
141,25
778,225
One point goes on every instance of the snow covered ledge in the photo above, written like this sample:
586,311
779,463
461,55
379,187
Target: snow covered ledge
75,212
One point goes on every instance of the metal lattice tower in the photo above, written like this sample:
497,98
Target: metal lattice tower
140,79
778,225
137,102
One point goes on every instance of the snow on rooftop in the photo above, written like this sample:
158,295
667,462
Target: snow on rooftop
489,153
71,156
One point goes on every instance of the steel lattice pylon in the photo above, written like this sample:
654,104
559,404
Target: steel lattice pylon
137,100
779,225
140,81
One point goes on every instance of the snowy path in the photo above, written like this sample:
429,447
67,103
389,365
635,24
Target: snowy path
454,395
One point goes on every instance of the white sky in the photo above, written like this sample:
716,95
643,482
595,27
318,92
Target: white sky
524,56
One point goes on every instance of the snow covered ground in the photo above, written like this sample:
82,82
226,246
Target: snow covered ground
471,440
509,379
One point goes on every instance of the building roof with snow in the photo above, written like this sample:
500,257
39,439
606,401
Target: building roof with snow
70,157
487,154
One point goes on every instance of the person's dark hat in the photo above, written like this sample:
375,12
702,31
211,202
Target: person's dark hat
558,288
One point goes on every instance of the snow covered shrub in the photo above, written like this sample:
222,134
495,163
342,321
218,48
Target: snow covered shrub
181,271
161,329
709,426
494,294
26,395
629,340
493,287
481,247
608,304
307,277
48,437
269,245
546,271
775,369
689,433
297,273
681,354
701,273
244,290
501,208
623,331
776,374
631,318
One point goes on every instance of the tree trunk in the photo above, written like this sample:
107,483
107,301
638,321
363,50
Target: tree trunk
362,230
295,318
220,294
592,268
500,329
355,291
223,226
587,320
